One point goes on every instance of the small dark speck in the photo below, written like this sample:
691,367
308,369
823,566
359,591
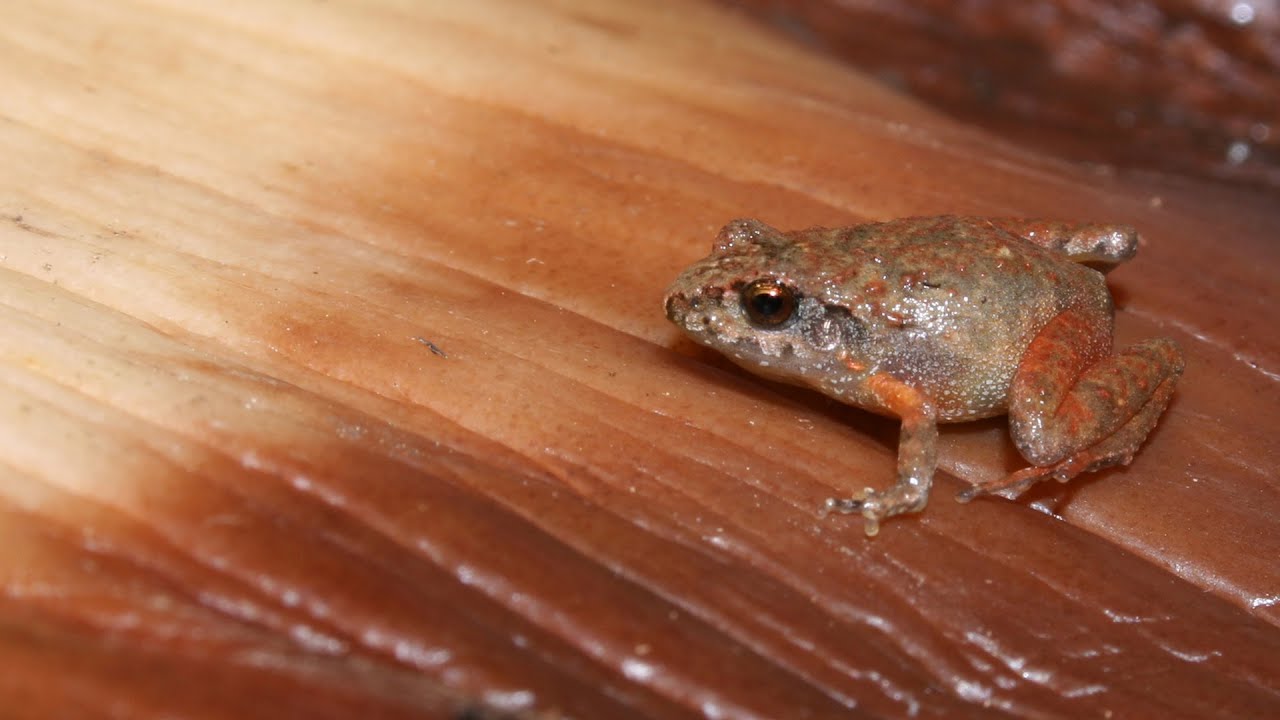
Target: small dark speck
476,712
48,267
932,285
432,347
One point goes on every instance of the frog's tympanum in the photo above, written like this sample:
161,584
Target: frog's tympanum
940,319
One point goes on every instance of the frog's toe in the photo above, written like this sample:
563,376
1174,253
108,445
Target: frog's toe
975,491
1009,487
848,506
1014,492
840,506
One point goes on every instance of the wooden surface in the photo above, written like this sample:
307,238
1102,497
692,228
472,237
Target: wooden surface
1169,85
334,381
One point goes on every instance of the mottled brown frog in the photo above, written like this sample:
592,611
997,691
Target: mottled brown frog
940,319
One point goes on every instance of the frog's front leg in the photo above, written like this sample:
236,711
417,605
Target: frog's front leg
1074,407
917,456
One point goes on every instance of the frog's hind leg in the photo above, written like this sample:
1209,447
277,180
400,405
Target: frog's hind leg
1101,247
1118,449
1075,408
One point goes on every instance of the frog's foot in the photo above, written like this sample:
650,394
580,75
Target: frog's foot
1010,486
875,506
1013,485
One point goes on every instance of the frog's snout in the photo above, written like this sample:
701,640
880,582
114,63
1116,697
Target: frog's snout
676,305
694,312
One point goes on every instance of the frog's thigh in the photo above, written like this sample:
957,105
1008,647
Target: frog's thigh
1070,393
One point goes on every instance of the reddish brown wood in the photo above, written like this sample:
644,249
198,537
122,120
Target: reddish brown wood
236,479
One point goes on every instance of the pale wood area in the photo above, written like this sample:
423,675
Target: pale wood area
237,478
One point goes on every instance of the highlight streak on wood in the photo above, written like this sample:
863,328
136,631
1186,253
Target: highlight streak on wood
239,477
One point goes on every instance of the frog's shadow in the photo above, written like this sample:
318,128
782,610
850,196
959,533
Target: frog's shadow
1119,295
1049,496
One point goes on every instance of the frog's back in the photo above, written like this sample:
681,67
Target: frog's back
953,302
1098,246
904,260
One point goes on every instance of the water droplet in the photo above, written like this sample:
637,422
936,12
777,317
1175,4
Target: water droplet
1238,152
1242,13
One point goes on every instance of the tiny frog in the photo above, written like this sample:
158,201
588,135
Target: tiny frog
940,319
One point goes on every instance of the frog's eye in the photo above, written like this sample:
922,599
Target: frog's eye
768,303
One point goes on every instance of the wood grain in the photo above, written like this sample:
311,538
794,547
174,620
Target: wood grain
334,379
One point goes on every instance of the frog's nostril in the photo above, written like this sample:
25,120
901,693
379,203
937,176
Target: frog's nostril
676,305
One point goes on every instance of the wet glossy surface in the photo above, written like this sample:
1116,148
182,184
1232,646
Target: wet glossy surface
1178,86
237,479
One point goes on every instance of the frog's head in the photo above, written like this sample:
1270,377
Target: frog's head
749,300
